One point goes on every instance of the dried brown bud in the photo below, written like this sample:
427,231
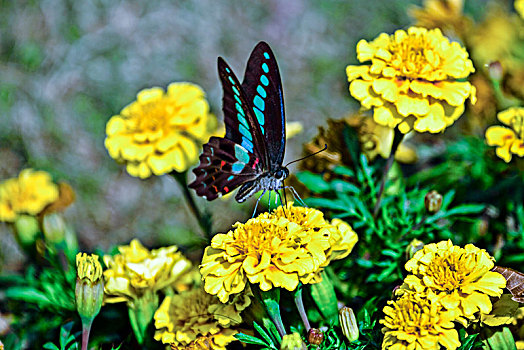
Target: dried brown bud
413,247
315,336
433,201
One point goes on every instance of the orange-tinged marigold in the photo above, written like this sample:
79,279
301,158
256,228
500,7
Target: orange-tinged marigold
459,278
275,249
417,322
412,81
29,193
161,131
508,140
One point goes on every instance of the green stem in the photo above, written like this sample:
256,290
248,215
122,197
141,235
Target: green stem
397,139
204,223
86,329
300,306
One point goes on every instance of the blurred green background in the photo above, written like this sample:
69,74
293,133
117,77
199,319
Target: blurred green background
67,66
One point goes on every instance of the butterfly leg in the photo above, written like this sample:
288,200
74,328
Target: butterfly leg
256,205
296,195
269,201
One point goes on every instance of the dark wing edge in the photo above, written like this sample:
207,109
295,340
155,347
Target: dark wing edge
270,96
224,166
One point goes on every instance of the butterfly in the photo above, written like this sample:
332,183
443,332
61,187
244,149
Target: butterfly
251,153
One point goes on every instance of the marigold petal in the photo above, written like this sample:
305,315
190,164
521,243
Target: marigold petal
412,105
499,135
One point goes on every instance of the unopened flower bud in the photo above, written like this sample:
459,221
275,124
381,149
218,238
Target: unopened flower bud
495,70
54,228
315,336
89,291
433,201
413,247
348,322
27,230
292,341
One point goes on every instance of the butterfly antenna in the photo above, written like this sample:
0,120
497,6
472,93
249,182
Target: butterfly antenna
309,155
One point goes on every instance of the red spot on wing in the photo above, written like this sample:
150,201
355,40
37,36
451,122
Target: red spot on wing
226,189
255,163
215,188
222,163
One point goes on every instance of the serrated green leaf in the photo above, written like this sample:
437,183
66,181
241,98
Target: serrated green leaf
250,339
263,333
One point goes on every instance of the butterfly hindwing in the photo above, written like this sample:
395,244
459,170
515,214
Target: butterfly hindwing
224,165
241,125
263,90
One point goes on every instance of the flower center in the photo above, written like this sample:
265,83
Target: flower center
449,272
153,117
413,57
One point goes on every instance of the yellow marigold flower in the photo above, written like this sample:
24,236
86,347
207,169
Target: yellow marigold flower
460,278
194,316
136,270
508,140
519,6
376,140
160,131
29,193
274,250
412,81
89,291
417,322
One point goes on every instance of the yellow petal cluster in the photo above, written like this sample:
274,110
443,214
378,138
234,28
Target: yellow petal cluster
412,81
459,278
29,193
277,249
519,6
88,267
161,131
416,322
136,271
194,318
508,140
376,140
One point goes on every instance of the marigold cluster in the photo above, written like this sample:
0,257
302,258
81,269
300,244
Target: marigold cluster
161,131
447,283
137,271
29,193
278,249
412,82
194,317
508,140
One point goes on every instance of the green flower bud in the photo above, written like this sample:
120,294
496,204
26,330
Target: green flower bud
26,228
349,324
495,70
54,228
89,291
433,201
292,341
413,247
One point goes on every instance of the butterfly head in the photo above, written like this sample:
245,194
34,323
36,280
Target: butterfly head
281,173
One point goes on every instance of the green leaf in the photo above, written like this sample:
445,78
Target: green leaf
344,171
469,342
326,203
313,182
50,346
344,187
250,339
263,334
466,209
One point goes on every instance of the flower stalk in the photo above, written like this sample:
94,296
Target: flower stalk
204,223
270,299
300,306
397,139
141,313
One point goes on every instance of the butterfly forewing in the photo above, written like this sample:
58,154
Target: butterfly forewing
241,125
263,90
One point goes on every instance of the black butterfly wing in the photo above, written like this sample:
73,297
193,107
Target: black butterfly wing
224,165
263,90
241,124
